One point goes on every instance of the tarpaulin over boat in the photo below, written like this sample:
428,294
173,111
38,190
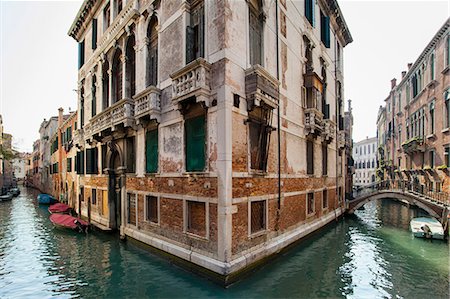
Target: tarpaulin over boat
66,221
59,208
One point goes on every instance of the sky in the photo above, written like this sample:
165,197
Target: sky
38,60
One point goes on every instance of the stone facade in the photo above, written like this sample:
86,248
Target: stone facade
365,158
414,125
211,130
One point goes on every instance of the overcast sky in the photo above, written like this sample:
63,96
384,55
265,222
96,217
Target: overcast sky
39,60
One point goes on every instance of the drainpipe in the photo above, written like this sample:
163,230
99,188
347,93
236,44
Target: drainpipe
278,116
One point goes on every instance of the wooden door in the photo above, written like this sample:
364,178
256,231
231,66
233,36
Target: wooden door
105,210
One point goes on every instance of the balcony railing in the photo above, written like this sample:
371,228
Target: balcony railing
314,121
329,130
413,145
261,87
121,113
192,80
147,104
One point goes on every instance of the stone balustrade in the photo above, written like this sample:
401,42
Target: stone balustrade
341,139
148,104
313,121
121,112
192,80
261,87
329,130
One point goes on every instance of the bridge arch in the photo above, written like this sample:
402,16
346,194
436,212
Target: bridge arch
355,204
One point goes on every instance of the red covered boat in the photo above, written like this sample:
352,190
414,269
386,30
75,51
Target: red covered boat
70,222
59,208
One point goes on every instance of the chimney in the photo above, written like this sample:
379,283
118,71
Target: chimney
409,66
60,116
403,74
349,105
393,83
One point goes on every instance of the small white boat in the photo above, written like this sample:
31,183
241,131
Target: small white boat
427,227
6,197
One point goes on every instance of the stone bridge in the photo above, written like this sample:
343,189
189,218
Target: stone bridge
439,210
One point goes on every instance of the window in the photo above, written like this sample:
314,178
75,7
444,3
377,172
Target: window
257,216
432,164
151,151
80,54
432,122
81,194
309,11
255,35
447,52
130,67
195,34
94,34
91,161
79,163
104,152
196,218
259,127
54,168
131,211
106,17
69,165
325,199
151,209
152,59
447,109
130,155
447,155
325,29
94,96
82,105
117,77
94,197
195,143
119,6
309,157
340,194
432,74
310,203
324,159
105,85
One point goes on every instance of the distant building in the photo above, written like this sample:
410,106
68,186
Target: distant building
414,125
19,166
348,128
7,168
365,159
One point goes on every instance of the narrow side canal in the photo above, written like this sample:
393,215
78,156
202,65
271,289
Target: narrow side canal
369,255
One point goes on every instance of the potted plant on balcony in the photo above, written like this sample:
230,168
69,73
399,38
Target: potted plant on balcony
444,168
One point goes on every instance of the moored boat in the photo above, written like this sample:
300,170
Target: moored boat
46,199
427,227
8,196
59,208
69,222
15,191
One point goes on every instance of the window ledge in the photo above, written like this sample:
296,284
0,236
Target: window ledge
196,174
446,130
310,215
447,68
196,237
151,223
258,172
431,136
257,234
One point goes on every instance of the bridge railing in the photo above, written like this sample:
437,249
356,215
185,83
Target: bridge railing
406,186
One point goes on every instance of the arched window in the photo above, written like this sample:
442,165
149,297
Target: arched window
94,96
105,85
131,67
117,77
152,59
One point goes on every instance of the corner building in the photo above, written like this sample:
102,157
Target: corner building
211,130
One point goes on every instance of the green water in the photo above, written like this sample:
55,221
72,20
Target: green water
370,255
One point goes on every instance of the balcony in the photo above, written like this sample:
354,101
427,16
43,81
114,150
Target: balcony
147,105
119,114
260,88
314,123
341,139
77,137
193,80
329,130
413,145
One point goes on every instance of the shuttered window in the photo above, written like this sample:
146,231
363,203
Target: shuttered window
195,143
255,37
94,96
151,151
79,162
310,203
69,165
195,34
258,216
94,34
91,161
324,159
94,197
309,11
260,119
130,155
309,157
325,29
152,35
80,54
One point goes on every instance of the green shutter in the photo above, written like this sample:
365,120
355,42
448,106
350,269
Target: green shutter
89,161
195,143
94,34
151,151
80,54
309,11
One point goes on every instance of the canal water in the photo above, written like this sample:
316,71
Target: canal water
369,255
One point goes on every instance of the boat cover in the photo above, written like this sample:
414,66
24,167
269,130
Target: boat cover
59,208
46,199
66,220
